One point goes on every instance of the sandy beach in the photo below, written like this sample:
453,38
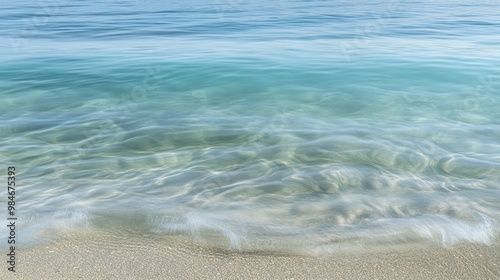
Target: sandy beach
304,139
113,256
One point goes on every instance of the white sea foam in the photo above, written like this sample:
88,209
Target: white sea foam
34,229
282,135
214,228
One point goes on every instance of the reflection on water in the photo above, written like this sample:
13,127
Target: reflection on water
254,129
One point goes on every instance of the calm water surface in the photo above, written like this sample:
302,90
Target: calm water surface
286,125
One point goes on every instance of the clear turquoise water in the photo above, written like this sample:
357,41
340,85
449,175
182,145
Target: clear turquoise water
284,125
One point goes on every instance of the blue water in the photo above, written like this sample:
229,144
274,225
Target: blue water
276,125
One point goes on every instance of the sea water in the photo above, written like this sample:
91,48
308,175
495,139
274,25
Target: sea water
277,125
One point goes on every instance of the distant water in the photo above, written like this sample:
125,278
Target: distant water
283,125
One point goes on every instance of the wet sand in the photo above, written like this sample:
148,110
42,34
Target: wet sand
119,256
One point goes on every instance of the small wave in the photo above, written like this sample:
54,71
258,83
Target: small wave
439,229
444,230
39,228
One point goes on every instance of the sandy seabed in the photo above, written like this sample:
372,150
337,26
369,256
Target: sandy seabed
104,255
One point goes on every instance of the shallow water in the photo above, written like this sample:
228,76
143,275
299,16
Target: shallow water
309,125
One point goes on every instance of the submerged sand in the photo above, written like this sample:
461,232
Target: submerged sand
130,256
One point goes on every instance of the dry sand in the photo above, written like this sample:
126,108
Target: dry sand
116,256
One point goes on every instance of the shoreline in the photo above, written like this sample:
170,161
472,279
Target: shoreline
104,255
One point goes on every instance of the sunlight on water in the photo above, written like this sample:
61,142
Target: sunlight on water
238,124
